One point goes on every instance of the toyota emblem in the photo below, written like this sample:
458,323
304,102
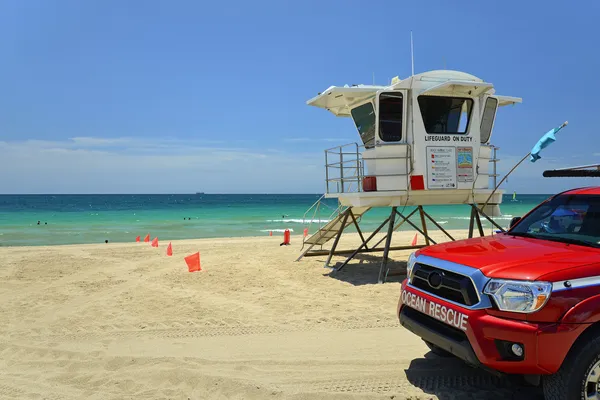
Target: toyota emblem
435,279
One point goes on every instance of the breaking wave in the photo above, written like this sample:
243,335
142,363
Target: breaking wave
299,220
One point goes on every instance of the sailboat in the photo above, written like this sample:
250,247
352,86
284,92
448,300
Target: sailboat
514,196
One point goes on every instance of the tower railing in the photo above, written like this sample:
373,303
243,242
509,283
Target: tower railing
494,160
344,168
493,171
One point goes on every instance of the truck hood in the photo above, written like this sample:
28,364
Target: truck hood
509,257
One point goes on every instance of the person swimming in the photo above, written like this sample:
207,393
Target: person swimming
38,222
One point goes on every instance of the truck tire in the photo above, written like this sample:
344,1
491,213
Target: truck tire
437,350
579,376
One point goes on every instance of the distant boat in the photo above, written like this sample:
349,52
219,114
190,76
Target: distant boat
514,196
199,192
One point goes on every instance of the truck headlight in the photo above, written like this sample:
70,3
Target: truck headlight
410,264
518,296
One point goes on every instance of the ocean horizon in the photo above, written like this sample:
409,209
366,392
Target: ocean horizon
94,218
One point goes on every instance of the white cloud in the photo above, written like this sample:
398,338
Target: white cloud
134,165
139,165
308,140
298,139
99,142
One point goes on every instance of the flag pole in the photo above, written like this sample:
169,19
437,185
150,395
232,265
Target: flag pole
503,179
512,170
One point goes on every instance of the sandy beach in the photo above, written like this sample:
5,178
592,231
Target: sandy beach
124,321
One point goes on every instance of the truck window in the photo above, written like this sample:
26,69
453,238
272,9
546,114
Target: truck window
565,218
364,119
390,117
445,115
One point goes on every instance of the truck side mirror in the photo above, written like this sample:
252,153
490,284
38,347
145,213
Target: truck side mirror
514,221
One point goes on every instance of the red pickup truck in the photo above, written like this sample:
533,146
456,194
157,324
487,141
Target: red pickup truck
523,302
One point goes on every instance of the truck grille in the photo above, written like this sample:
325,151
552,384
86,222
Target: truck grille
445,284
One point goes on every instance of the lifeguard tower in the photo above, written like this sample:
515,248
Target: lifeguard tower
425,140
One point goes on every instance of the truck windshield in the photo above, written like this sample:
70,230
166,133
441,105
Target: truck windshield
571,219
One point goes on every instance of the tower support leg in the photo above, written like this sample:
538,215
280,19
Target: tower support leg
358,230
438,225
491,221
408,221
471,222
398,225
478,220
338,236
363,245
424,224
475,219
383,270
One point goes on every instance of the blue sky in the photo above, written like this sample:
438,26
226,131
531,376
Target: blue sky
181,96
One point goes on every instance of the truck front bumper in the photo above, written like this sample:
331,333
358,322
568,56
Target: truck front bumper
485,340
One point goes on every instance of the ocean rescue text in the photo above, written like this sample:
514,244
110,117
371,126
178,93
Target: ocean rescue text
437,311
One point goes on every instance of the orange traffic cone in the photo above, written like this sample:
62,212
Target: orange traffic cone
155,242
137,239
169,249
147,238
193,262
414,241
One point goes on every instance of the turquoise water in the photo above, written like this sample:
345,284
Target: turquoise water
73,219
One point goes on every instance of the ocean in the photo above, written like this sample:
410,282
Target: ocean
76,219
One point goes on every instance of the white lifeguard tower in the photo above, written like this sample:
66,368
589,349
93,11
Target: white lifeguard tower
425,141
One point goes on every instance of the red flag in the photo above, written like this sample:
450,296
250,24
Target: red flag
414,241
147,238
169,249
193,262
137,239
155,242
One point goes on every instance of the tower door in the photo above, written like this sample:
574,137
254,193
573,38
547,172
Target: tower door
391,112
391,155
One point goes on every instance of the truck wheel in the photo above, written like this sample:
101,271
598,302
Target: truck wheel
438,351
579,376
